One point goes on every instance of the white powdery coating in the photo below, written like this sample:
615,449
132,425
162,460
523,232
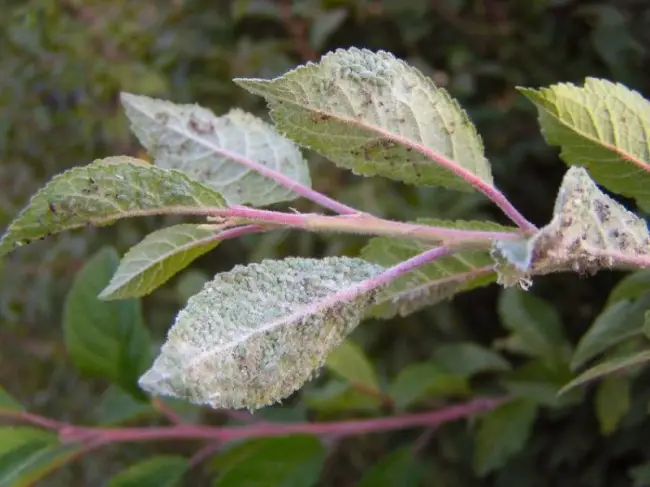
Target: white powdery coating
255,334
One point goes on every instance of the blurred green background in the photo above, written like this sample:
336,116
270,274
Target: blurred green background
63,63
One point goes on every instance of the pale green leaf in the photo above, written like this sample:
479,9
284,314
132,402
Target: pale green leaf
468,359
376,115
116,407
399,468
222,152
425,380
612,402
630,287
157,258
8,402
502,433
103,192
350,362
105,339
589,232
255,334
608,367
536,322
339,396
430,283
159,471
290,461
603,126
618,322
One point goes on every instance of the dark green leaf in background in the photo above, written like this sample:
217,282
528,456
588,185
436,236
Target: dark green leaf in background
425,380
159,471
399,468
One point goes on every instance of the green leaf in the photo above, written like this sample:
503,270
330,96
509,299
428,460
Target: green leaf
28,454
502,433
116,407
376,115
606,368
400,468
224,152
339,396
631,287
539,380
612,402
640,475
534,321
434,282
618,322
468,359
103,192
157,258
425,380
291,461
646,324
256,334
159,471
105,339
602,126
350,362
8,402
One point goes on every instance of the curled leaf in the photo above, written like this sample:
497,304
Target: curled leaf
255,334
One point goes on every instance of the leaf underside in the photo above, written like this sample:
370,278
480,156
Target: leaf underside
602,126
210,149
376,115
255,334
103,192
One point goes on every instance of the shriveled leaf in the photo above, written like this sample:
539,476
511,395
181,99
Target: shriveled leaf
425,380
612,402
157,258
502,433
602,126
434,282
224,152
350,362
291,461
468,359
159,471
618,322
376,115
8,402
399,468
105,339
103,192
255,334
28,454
589,232
608,367
630,287
536,322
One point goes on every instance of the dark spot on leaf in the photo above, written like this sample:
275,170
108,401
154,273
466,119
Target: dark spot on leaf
162,117
52,208
201,127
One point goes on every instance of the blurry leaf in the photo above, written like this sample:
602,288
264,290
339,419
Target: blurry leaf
255,334
468,359
115,407
612,402
536,322
190,283
631,287
28,454
8,402
425,380
608,367
617,323
640,475
159,471
502,433
539,381
157,258
601,126
399,468
325,24
350,362
105,339
646,324
376,115
338,396
247,8
433,282
102,192
224,152
291,461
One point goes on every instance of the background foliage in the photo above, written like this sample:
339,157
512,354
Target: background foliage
62,66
